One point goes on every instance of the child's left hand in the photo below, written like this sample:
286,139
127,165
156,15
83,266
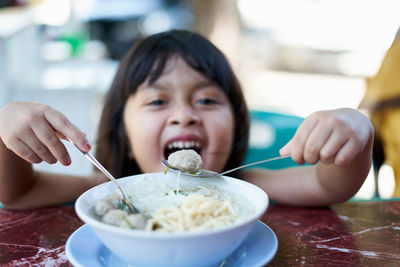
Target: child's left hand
330,136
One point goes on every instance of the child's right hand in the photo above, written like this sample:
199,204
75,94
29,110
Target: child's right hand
33,132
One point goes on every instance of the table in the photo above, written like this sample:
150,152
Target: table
347,234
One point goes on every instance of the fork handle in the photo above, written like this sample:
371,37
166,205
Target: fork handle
98,165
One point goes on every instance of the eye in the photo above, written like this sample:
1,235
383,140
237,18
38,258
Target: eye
157,102
207,101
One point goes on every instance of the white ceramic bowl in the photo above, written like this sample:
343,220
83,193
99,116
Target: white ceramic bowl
206,248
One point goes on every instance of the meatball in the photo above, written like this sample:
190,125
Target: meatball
186,160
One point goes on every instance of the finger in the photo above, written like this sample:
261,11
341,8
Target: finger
31,140
347,153
286,149
300,138
49,138
22,150
315,141
61,136
332,147
62,125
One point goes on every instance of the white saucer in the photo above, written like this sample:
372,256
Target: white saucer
83,249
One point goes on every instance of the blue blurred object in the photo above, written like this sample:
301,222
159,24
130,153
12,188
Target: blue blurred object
119,24
269,132
122,9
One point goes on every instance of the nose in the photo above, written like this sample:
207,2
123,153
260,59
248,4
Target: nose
183,114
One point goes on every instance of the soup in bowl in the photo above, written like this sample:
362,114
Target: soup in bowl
191,221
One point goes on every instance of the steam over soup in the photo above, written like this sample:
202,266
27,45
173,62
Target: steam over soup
196,206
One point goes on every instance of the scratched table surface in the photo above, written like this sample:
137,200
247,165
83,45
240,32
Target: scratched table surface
347,234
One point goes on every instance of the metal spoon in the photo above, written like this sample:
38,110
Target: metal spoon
207,174
94,161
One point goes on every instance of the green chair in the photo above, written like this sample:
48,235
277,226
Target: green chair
269,132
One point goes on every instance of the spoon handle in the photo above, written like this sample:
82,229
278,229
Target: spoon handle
254,163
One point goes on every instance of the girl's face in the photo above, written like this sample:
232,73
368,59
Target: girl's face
181,109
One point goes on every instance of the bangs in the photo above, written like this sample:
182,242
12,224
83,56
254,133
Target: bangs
151,57
159,65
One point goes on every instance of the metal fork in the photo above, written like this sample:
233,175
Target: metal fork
95,162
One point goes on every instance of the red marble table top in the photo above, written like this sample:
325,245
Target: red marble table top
348,234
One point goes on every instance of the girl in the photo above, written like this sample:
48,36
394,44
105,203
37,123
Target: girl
176,90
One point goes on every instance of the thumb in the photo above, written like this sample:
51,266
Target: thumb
286,150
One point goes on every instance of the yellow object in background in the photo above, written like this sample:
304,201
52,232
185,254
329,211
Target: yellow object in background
382,100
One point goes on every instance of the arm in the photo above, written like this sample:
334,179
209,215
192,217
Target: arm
16,175
338,145
30,134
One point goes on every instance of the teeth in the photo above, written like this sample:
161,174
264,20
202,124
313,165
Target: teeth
184,144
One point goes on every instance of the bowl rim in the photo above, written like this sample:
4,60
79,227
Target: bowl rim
96,224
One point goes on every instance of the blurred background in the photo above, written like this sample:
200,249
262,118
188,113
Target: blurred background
292,56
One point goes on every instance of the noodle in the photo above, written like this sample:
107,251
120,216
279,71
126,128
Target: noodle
198,212
177,181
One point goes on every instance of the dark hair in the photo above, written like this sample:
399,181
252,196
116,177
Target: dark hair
147,59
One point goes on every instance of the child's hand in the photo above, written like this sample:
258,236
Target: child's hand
32,131
332,136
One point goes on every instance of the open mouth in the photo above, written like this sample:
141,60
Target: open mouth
179,145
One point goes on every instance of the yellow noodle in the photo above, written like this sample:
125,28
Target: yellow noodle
198,212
